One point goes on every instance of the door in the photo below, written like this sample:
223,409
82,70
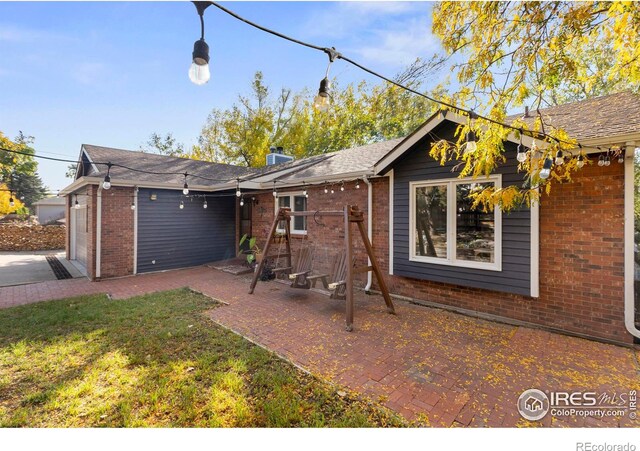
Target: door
79,235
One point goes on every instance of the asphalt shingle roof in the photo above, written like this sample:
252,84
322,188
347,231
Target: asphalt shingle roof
162,164
599,117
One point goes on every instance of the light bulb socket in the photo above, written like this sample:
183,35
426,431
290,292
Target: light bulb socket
200,52
471,136
325,87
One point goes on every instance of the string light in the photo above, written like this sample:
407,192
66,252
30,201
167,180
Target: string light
471,145
275,191
357,183
601,160
545,172
621,155
304,190
76,205
107,178
204,205
11,201
238,192
332,189
199,72
133,205
326,190
242,201
559,158
580,162
185,188
522,152
342,185
181,205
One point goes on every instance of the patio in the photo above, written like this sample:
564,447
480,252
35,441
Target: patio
430,365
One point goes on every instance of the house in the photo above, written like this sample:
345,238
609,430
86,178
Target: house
565,264
50,209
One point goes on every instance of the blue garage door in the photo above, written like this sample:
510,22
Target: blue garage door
170,237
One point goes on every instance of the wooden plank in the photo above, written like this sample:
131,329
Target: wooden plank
348,244
267,246
360,269
376,270
314,213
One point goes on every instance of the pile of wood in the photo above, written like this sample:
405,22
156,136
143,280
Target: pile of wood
27,236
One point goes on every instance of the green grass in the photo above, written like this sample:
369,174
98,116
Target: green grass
157,361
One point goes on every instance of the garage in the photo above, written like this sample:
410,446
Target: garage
170,237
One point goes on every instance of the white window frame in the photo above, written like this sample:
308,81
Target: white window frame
450,259
291,196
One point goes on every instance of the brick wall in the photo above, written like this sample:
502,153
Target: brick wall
117,232
581,261
326,237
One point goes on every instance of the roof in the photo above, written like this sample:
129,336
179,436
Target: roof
349,161
599,117
51,201
217,172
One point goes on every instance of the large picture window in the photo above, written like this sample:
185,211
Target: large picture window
297,202
446,229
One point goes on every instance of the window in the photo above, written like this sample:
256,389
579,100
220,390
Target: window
297,202
446,229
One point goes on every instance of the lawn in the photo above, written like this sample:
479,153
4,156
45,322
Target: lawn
155,360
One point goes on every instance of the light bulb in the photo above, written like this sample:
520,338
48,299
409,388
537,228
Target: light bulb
77,205
559,158
11,202
241,202
580,163
331,190
322,101
357,185
471,146
181,205
304,193
545,172
607,160
522,156
621,158
133,206
107,182
199,73
275,193
342,188
204,205
238,193
326,191
185,189
601,160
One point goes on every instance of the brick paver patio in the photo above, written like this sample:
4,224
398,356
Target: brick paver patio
427,364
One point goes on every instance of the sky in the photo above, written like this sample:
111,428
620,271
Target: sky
112,73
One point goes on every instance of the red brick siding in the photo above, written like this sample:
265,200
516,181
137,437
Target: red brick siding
117,232
327,240
581,261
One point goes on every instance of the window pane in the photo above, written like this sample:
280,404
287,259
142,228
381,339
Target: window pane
475,229
431,221
299,204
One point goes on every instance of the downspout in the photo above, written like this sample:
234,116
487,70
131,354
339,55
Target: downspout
135,230
367,288
629,263
98,230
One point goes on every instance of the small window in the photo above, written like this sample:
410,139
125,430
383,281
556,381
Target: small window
446,229
297,202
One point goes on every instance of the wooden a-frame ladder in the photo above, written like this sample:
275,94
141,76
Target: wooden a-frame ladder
352,215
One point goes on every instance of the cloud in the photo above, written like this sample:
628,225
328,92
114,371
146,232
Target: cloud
89,73
343,19
399,46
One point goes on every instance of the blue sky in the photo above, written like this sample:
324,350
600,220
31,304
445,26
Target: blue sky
112,73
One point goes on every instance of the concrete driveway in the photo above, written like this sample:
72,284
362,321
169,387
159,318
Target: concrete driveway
18,268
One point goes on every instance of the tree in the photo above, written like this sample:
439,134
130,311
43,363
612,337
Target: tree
71,171
359,114
166,145
29,188
12,163
506,54
5,204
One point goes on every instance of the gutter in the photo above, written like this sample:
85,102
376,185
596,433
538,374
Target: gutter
367,288
629,244
98,231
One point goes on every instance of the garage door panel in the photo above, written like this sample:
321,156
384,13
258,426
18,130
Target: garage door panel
170,237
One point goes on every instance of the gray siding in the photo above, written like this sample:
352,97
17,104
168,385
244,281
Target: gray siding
177,238
417,165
